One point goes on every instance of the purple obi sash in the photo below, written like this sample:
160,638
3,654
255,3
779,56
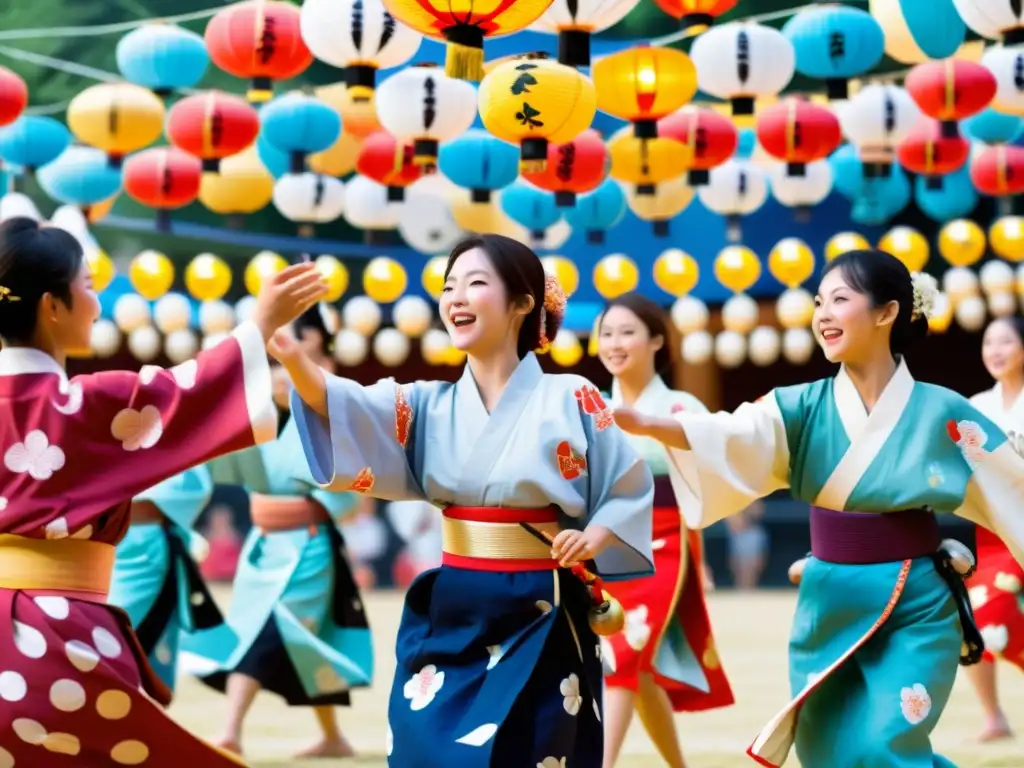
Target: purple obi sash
664,496
854,538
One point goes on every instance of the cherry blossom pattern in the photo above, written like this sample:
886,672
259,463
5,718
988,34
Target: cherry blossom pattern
637,630
1007,582
3,503
552,762
970,438
72,391
363,482
572,699
423,687
978,596
996,637
915,703
592,404
184,375
677,408
35,457
403,416
137,429
570,464
35,733
479,736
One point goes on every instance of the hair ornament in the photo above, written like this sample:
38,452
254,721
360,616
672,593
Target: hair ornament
926,291
6,295
554,302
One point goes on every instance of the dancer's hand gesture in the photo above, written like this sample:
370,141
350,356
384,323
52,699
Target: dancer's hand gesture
570,547
287,295
632,421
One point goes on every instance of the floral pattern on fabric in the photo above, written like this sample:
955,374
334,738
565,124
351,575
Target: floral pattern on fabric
423,687
34,457
403,416
572,700
970,438
137,429
592,404
364,481
915,703
571,464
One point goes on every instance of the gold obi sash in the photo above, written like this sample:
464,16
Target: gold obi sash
56,565
493,539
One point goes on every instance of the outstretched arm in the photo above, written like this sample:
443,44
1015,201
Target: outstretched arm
307,377
669,432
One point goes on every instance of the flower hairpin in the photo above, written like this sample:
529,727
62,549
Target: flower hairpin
6,295
926,291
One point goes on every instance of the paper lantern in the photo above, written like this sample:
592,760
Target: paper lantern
260,41
359,36
573,168
389,162
13,96
309,198
996,277
367,208
741,61
991,127
690,314
299,125
908,245
574,22
425,219
207,278
695,16
697,347
959,283
676,272
795,308
151,274
951,90
646,162
711,137
962,243
435,346
335,275
105,338
1007,66
1006,236
875,121
735,189
339,159
737,268
764,346
531,208
463,27
180,345
362,315
999,171
391,347
356,105
730,349
797,345
479,162
941,316
172,312
565,271
529,102
791,262
101,269
643,85
212,126
384,280
412,315
799,133
835,43
432,278
163,178
262,266
33,141
131,312
598,211
844,242
919,30
971,313
801,193
118,118
670,198
928,151
350,348
994,19
615,275
81,176
144,343
162,57
242,186
740,314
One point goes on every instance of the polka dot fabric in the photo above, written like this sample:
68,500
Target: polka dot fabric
71,692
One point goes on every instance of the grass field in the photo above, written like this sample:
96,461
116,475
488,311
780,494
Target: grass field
751,631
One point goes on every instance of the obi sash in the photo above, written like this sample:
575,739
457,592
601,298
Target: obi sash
664,495
493,539
79,567
286,513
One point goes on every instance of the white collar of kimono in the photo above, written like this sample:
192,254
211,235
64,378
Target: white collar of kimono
655,386
15,361
890,405
1016,407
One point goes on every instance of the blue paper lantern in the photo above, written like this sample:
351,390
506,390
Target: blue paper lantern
299,125
835,43
162,57
847,171
930,29
598,211
80,176
530,207
32,141
746,143
955,199
274,160
993,127
479,162
881,198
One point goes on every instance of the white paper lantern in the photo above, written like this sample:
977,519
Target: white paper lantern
425,219
996,277
358,35
795,308
730,349
434,346
367,206
797,345
1002,303
992,18
801,192
144,343
172,312
971,312
412,316
1007,65
689,314
588,16
764,345
244,309
131,311
309,198
105,338
391,347
70,217
735,189
361,314
181,345
16,204
350,348
211,341
217,316
876,119
740,314
553,239
742,60
698,347
958,283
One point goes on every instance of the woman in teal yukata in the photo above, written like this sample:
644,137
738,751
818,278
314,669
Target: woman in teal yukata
882,617
156,579
295,606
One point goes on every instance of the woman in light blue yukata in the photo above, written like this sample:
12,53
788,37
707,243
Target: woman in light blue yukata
295,606
156,580
883,616
498,661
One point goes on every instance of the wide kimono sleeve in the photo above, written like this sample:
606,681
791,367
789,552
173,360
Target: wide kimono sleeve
368,439
338,505
735,459
182,498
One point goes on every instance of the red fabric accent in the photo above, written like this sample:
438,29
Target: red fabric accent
503,565
760,760
502,514
999,609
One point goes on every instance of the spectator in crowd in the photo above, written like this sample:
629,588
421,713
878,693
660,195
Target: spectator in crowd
418,525
748,546
225,545
366,538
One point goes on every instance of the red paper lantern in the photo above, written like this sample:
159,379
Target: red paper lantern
386,161
951,90
926,151
799,133
212,126
259,40
573,168
13,96
163,178
711,137
999,171
695,16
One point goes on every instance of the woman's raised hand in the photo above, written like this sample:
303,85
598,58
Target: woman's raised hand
286,295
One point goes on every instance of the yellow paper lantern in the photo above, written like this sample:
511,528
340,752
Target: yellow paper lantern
99,211
356,106
151,274
101,269
339,159
737,268
566,349
454,356
1007,238
207,277
845,242
484,218
941,316
529,102
643,85
646,162
961,243
615,275
433,276
335,275
384,280
676,272
564,271
242,186
118,118
263,265
791,262
668,200
908,245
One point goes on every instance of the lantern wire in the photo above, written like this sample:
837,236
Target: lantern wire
103,29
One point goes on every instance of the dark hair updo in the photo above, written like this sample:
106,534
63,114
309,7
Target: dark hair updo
34,259
884,278
1015,322
655,321
522,274
313,319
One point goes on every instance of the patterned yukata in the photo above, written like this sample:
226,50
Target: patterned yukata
497,664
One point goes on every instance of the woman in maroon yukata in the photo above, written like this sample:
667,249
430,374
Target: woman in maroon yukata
73,677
